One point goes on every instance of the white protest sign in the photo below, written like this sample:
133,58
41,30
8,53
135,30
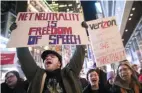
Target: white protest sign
39,29
106,41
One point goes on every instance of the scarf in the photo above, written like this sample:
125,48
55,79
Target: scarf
136,89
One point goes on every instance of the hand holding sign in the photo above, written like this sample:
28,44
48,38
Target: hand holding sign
13,26
84,24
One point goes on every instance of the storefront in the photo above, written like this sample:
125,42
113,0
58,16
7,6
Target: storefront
134,45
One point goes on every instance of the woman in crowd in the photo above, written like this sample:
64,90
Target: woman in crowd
13,83
126,80
94,86
135,68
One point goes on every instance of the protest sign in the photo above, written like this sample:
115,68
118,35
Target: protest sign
106,41
7,58
39,29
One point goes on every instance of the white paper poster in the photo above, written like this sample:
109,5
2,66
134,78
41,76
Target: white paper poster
106,41
39,29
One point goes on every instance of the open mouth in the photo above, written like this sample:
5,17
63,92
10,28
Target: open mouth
124,76
94,80
48,62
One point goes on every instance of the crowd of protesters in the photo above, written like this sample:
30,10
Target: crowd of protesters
125,80
54,79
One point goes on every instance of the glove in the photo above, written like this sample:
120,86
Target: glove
13,26
84,24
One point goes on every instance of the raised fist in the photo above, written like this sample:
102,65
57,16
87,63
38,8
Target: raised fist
84,24
13,26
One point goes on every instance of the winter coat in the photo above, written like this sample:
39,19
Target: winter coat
109,88
37,76
102,77
83,82
122,89
119,88
89,90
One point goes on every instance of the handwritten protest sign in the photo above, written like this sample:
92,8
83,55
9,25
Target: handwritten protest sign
106,41
39,29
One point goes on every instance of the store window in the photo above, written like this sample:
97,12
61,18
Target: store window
98,10
139,43
134,48
139,36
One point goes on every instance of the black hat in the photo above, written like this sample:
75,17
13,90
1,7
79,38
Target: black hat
46,52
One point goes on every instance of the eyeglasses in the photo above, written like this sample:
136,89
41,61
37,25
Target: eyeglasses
11,76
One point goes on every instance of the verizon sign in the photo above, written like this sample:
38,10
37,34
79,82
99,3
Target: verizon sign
106,41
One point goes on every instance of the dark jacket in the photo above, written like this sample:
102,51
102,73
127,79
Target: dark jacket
89,90
21,87
83,82
37,76
102,77
109,87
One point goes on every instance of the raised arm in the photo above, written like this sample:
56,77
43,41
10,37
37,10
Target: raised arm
77,59
28,64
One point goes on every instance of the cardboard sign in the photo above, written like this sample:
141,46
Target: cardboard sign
40,29
106,41
7,58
